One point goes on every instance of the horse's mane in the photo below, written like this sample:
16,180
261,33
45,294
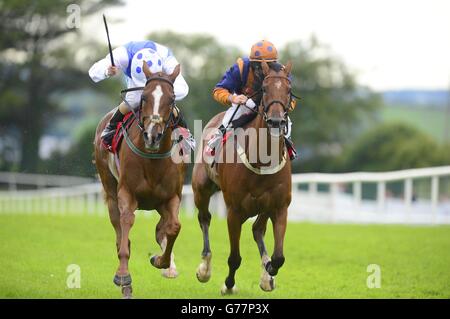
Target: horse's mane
277,67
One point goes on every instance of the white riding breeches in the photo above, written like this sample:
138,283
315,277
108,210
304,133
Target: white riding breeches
133,97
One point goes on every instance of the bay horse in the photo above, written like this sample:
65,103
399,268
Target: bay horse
148,178
249,189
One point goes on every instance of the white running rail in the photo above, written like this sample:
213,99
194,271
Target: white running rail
315,197
12,180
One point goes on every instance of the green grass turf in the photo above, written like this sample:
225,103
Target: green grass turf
322,261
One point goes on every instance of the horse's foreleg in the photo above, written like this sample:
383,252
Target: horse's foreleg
114,217
204,218
171,227
279,222
234,260
110,186
267,282
127,207
161,238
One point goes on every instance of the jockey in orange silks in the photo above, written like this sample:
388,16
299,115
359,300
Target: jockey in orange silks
243,80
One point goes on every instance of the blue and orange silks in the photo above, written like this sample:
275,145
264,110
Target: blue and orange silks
237,80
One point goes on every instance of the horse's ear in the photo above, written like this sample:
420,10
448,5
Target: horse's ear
146,69
288,68
265,67
175,73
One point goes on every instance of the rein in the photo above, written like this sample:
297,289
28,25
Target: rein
156,119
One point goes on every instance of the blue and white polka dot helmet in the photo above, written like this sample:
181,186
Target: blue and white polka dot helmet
153,61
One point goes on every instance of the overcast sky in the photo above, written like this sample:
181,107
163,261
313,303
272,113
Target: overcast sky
391,44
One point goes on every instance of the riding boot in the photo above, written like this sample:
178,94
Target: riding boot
110,129
291,148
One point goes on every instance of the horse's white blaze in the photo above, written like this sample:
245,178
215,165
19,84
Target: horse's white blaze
157,94
278,84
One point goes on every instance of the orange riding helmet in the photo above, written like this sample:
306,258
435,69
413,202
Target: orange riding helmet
263,50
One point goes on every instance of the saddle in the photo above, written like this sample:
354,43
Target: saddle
244,119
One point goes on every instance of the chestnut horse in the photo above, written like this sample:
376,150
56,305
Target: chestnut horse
250,189
148,178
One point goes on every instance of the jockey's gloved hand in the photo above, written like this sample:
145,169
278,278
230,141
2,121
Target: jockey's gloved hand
111,71
250,104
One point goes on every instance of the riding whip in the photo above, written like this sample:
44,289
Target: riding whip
234,113
109,42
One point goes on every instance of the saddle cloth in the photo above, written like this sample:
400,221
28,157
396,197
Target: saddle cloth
118,136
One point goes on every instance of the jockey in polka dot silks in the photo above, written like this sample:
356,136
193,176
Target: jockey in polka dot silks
129,58
242,80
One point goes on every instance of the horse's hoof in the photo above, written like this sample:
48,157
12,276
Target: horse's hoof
153,260
225,291
127,292
170,273
156,262
122,280
204,269
267,282
203,277
203,272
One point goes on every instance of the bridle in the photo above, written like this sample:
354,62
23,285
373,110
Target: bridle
155,118
266,107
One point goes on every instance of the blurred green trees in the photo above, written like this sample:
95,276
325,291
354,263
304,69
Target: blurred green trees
45,89
333,108
36,62
394,146
78,161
